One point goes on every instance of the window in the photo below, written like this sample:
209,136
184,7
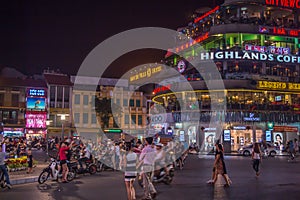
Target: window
77,99
85,99
59,93
52,93
94,119
125,102
126,119
76,118
140,119
85,118
131,103
133,119
93,101
1,99
118,102
138,103
15,100
67,93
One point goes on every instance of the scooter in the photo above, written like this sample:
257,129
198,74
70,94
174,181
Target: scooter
160,176
52,171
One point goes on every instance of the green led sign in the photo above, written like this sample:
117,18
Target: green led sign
113,130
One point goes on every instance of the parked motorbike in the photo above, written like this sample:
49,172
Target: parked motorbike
88,167
160,176
52,171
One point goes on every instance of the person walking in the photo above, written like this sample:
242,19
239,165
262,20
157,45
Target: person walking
147,158
129,163
256,158
3,167
220,167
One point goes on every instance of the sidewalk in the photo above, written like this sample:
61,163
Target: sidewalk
21,177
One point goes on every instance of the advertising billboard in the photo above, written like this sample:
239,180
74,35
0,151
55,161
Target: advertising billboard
36,120
36,104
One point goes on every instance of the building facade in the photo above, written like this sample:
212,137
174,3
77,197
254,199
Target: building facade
254,47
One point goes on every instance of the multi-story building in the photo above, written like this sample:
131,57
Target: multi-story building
22,108
254,46
59,101
87,122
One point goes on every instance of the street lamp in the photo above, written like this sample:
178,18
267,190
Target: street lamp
62,118
47,136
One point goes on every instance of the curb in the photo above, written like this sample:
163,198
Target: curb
19,181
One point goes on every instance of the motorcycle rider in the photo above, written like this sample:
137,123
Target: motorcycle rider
160,159
3,167
84,156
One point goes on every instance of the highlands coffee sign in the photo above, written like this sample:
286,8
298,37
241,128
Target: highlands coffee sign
284,3
258,56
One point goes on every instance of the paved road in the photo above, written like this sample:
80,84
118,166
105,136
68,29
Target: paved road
279,180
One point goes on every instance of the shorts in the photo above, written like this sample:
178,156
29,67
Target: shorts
130,176
30,164
63,162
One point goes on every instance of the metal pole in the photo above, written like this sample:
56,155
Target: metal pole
62,131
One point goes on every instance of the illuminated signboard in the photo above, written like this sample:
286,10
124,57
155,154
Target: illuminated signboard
161,89
146,74
222,55
36,120
278,85
36,103
270,49
227,136
181,66
206,14
189,44
36,92
279,31
284,3
252,118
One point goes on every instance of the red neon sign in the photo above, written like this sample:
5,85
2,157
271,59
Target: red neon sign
189,44
284,3
283,31
206,14
161,89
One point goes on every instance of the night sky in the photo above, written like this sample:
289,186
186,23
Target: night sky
39,34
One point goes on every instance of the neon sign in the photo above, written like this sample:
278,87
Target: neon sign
36,120
280,31
36,92
161,89
224,55
189,44
270,49
146,73
206,14
284,3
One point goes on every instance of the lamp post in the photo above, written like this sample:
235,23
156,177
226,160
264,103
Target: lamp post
47,136
62,118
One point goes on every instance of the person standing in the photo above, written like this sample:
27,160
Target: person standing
29,161
147,158
296,145
130,162
256,158
63,160
3,167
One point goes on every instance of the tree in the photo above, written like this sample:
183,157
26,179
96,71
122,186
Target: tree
106,109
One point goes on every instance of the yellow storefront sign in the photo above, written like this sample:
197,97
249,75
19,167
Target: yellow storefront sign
145,74
278,85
